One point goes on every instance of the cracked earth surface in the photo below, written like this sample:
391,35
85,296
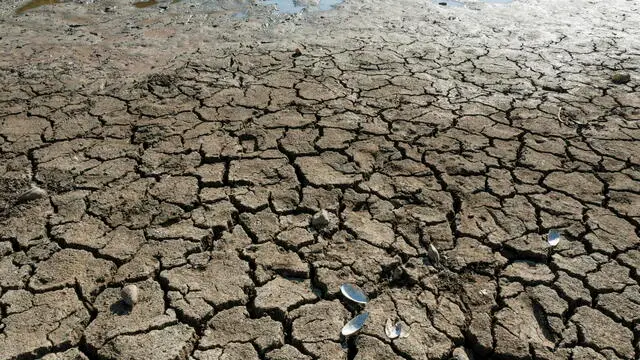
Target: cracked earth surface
186,153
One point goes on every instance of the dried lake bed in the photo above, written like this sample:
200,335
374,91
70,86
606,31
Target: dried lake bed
471,172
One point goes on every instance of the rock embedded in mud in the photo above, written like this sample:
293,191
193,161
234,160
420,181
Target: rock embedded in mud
324,221
620,78
460,354
129,295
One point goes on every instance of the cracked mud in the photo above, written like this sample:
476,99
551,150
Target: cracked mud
187,153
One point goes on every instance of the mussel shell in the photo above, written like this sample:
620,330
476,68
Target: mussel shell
396,330
355,324
391,329
554,236
354,293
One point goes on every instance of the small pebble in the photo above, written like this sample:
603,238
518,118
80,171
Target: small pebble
297,53
320,219
460,354
620,78
129,295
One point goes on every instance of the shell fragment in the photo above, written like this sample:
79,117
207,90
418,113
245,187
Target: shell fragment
434,255
354,293
396,330
355,324
32,194
554,236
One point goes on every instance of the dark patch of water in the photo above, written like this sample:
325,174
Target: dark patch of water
448,3
296,6
34,4
455,3
144,4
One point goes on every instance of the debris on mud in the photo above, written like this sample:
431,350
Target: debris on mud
129,295
554,236
296,53
395,330
555,87
32,194
621,78
460,354
324,221
434,255
355,324
354,293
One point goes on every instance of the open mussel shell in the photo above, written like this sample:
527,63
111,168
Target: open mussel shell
391,330
396,330
354,293
554,236
355,324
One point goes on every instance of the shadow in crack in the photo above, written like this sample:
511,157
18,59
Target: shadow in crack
120,308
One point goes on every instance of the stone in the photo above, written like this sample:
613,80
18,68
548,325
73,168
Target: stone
325,222
129,295
320,219
621,78
461,353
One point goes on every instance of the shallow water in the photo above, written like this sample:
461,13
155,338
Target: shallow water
296,6
35,4
455,3
144,4
280,6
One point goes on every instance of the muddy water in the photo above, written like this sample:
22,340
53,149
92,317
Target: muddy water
144,4
455,3
35,4
279,6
